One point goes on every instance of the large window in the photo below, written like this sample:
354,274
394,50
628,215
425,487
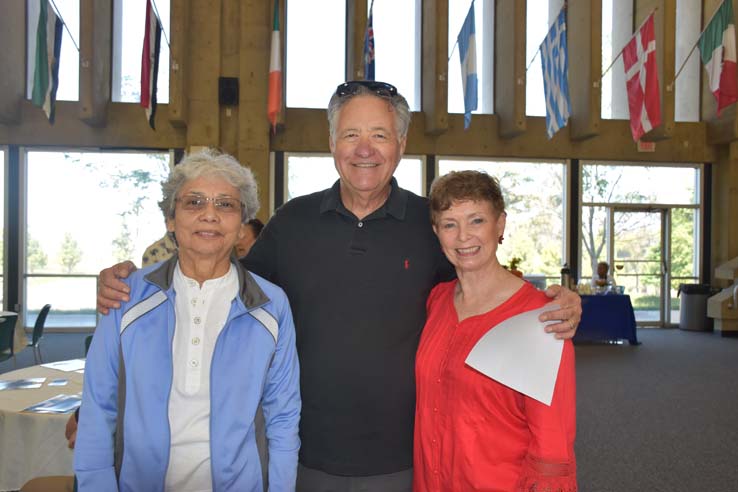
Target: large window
308,173
397,31
85,211
68,11
646,230
534,200
484,16
617,29
129,19
316,51
687,86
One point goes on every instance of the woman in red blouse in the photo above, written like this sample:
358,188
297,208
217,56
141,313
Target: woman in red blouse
471,432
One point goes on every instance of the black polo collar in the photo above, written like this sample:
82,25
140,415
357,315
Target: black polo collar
396,204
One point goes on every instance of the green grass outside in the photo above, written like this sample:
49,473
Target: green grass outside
650,303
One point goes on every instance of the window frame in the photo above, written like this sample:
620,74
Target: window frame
21,282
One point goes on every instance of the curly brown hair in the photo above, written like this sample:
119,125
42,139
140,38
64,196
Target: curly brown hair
462,186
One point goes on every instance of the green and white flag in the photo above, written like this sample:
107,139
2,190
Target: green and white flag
718,53
46,68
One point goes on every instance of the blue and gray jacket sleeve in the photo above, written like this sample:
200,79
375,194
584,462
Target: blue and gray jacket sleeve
93,453
281,402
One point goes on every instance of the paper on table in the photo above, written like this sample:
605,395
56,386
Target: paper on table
66,365
519,354
14,384
57,404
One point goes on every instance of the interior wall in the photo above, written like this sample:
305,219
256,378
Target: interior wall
231,38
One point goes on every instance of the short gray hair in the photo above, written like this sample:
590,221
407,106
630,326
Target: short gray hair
211,162
398,103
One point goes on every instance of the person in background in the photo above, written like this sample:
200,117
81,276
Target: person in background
160,250
251,231
602,278
357,261
471,432
177,377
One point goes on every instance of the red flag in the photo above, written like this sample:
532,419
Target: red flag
150,62
641,74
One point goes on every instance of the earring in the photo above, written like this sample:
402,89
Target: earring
500,239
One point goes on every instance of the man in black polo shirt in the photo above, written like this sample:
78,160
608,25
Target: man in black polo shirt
357,262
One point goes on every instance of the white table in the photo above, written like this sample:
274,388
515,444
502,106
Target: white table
31,444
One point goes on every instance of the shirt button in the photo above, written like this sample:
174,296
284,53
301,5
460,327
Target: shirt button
435,472
197,320
196,341
438,380
435,409
194,363
433,441
193,302
360,224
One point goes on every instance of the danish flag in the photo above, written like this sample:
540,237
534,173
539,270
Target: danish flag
641,74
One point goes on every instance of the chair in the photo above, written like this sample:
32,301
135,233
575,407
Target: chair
38,333
7,332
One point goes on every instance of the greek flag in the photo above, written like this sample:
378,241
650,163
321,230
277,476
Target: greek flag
555,64
468,57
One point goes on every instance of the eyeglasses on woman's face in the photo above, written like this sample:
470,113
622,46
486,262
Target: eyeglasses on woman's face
222,204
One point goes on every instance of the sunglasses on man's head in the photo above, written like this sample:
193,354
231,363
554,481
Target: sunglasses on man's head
350,88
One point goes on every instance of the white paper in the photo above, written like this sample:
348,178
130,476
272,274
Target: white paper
14,384
57,404
521,355
66,365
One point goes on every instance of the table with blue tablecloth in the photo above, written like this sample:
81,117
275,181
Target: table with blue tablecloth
607,318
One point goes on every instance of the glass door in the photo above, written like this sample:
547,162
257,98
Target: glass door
639,251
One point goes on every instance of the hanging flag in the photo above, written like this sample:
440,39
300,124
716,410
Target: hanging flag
369,46
150,62
274,99
468,57
642,79
46,69
555,65
717,50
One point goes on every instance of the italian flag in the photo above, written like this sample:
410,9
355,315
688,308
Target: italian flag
717,49
274,99
46,67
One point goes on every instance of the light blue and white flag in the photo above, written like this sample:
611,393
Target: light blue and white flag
468,57
555,64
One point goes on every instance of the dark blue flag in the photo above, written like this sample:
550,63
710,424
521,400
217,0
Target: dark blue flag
369,47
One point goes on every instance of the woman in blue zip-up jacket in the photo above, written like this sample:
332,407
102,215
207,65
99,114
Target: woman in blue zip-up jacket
186,379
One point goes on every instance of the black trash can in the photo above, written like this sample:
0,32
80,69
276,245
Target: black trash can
693,311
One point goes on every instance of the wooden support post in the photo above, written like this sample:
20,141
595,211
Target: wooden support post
95,38
435,66
13,60
253,144
510,25
357,15
584,31
179,24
